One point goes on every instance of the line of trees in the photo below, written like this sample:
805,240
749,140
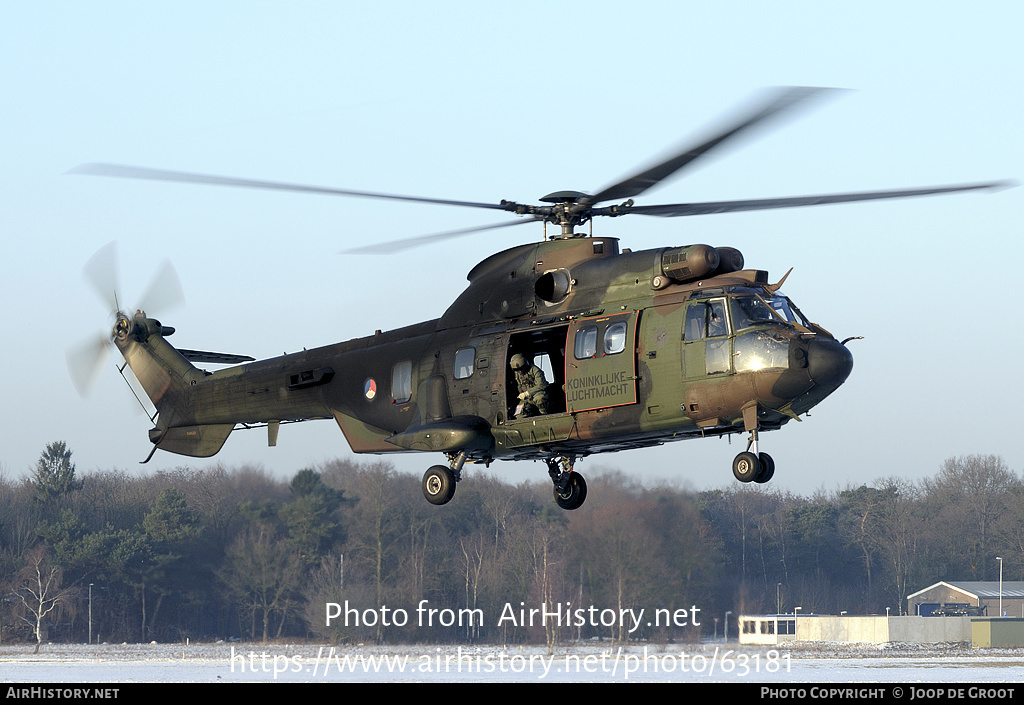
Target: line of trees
237,553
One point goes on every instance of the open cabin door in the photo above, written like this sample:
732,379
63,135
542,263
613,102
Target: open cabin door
600,362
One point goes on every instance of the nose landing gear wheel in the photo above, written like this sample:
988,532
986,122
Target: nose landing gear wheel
438,485
767,470
745,466
748,467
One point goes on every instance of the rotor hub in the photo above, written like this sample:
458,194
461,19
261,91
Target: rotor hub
123,327
563,197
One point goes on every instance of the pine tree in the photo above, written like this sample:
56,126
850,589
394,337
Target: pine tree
54,477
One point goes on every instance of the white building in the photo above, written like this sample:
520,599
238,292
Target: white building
767,629
780,628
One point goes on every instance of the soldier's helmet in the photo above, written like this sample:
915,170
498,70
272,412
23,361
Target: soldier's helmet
518,362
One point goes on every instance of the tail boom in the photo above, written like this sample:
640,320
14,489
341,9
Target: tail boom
197,410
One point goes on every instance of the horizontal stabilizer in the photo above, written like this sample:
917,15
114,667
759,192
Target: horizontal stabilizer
195,441
214,357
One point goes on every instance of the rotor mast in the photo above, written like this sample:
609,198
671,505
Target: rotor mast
569,209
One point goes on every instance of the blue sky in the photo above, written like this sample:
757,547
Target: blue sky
480,102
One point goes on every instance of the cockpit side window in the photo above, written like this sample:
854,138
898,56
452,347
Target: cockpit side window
706,319
751,310
694,328
786,309
754,309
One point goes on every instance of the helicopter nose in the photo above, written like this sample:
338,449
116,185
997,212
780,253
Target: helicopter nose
829,363
816,369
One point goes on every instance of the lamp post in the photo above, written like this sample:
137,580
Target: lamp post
1000,585
90,613
725,631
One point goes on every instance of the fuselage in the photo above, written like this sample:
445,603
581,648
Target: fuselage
638,348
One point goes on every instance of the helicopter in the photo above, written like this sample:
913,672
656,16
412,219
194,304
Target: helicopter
557,350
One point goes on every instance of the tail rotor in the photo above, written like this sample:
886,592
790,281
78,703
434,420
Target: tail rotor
86,360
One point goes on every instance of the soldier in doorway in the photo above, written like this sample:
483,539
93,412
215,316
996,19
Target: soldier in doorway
533,388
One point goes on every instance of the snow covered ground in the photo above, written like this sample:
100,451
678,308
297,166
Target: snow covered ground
705,663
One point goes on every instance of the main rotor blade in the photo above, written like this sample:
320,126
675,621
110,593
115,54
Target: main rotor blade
638,183
682,209
135,172
409,243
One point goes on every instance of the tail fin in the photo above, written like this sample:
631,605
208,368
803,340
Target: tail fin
167,378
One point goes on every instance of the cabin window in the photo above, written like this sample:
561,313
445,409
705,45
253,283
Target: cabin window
401,382
585,345
464,363
615,338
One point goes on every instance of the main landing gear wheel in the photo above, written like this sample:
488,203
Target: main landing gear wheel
574,494
570,488
438,485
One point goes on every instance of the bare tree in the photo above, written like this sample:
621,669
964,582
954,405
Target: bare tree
265,575
40,594
969,495
474,555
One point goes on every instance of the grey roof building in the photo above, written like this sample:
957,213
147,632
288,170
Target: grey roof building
971,597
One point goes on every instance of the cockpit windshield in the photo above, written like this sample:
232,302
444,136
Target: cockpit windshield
751,308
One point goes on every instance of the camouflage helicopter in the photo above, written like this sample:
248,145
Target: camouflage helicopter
621,349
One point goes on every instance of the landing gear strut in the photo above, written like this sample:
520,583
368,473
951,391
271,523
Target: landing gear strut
753,466
570,489
439,482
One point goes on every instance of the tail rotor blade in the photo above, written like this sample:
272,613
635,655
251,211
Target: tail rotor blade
164,292
101,272
85,363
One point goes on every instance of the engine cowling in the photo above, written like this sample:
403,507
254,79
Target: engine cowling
683,264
